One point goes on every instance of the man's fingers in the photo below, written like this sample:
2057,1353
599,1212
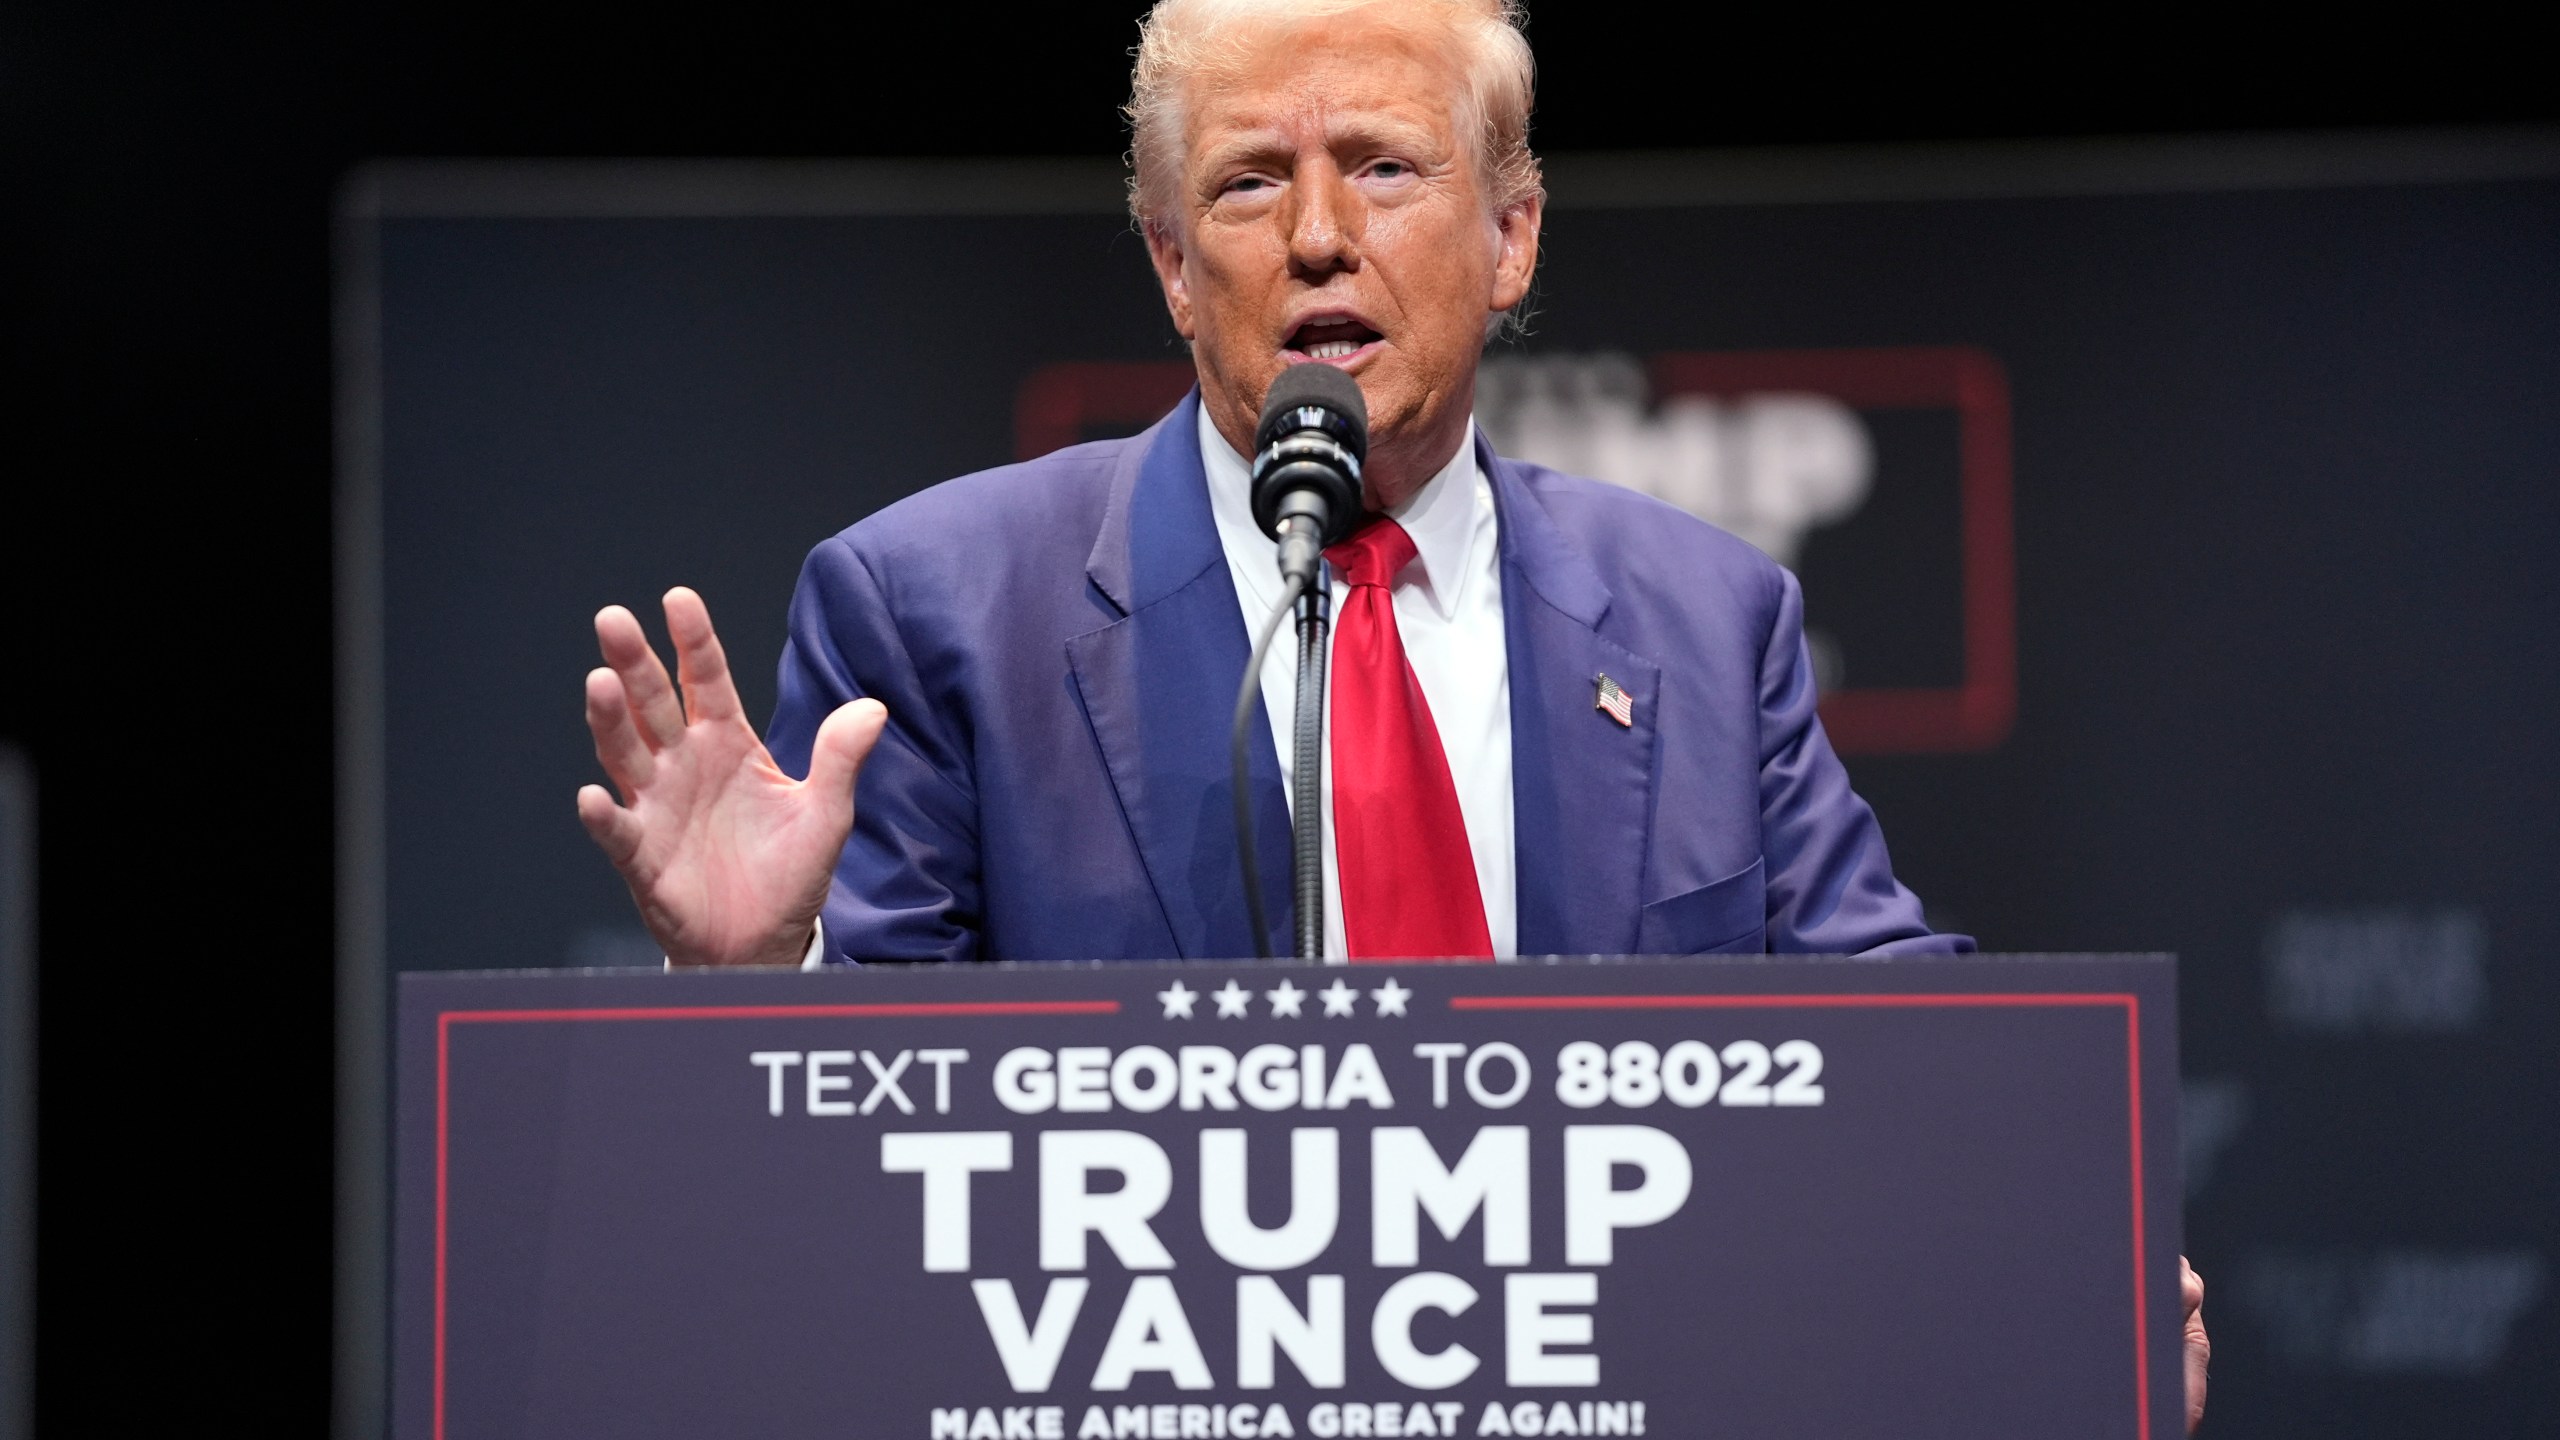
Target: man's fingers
709,694
2199,1346
843,743
651,694
615,830
619,748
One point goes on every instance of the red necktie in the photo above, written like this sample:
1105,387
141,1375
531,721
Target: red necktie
1400,842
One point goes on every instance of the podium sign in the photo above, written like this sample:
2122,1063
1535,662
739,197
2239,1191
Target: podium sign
1639,1197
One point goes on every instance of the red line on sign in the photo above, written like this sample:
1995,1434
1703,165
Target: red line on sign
2141,1320
444,1052
444,1034
1763,1002
798,1012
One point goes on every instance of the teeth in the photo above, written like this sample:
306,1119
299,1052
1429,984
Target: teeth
1331,350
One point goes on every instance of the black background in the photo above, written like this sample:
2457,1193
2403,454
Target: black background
164,488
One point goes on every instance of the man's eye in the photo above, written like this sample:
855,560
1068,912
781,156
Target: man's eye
1391,169
1246,183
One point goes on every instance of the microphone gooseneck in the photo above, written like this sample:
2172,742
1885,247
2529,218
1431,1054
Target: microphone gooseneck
1239,739
1307,775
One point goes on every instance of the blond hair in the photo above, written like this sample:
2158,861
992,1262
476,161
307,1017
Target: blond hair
1181,40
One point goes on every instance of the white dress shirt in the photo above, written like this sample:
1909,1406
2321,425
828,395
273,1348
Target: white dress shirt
1448,607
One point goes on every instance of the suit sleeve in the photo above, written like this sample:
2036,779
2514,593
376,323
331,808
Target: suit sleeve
908,884
1830,885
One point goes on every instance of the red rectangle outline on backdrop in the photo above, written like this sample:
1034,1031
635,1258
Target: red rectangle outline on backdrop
1056,404
446,1020
2133,1087
2132,1005
1977,712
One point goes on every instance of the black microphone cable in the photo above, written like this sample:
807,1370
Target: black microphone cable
1239,746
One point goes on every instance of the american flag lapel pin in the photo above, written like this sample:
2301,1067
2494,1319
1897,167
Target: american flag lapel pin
1615,703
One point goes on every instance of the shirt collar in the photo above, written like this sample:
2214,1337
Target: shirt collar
1446,519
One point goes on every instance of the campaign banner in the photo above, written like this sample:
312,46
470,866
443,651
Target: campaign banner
1780,1196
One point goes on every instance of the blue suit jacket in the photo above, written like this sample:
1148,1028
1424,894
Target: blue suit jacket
1058,644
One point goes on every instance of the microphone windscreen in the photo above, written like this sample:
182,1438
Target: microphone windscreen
1324,387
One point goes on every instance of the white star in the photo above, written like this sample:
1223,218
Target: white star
1177,1001
1391,997
1234,1001
1340,999
1286,1000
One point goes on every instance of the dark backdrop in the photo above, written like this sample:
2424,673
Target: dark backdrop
2280,504
165,541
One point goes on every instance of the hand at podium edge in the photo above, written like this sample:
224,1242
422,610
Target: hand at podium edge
2199,1347
727,857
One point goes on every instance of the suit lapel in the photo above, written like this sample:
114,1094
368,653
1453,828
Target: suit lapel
1581,784
1158,687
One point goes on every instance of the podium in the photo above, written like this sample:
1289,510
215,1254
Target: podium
1670,1197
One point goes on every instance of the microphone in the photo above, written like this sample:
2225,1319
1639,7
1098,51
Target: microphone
1313,434
1308,445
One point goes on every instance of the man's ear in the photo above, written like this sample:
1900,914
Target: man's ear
1164,250
1516,264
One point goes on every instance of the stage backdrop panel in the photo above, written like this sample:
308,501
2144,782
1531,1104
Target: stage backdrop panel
2175,524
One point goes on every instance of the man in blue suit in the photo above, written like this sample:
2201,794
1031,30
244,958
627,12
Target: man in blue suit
1056,783
1596,714
1617,694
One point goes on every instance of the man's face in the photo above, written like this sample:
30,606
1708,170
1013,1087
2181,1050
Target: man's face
1331,209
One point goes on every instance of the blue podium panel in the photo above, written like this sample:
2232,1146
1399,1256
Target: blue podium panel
1623,1197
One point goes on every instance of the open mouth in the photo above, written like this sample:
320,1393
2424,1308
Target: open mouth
1331,339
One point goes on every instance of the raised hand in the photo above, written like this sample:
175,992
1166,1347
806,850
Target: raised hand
2199,1347
727,857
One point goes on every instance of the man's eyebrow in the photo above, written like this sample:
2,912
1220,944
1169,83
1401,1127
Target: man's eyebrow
1384,130
1242,146
1363,131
